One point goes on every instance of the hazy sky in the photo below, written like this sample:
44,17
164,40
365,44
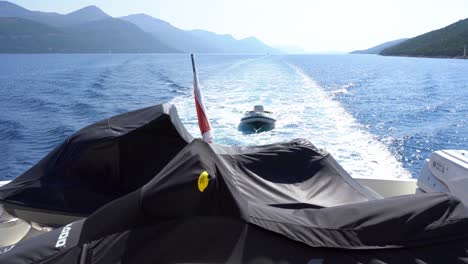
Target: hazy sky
315,25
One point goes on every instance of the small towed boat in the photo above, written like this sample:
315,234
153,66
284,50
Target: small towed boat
257,121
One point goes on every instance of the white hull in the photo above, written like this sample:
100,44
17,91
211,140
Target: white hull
390,187
258,119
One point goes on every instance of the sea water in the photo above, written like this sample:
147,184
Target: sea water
378,116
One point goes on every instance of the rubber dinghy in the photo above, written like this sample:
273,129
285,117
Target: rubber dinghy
281,203
257,121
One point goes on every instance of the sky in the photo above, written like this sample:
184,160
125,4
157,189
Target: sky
317,26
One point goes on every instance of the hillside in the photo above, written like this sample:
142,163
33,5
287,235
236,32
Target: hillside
379,48
445,42
168,34
89,29
116,36
87,14
200,41
228,44
20,35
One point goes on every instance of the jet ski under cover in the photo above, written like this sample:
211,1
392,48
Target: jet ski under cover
96,165
286,202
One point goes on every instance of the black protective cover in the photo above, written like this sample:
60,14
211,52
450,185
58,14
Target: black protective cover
100,163
170,220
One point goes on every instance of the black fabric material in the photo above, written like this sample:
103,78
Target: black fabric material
281,203
223,240
290,173
101,162
213,240
173,193
45,249
405,221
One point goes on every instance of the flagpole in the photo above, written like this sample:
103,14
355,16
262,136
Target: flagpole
203,122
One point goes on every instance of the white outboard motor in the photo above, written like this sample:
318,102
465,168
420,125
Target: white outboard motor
446,171
258,108
12,229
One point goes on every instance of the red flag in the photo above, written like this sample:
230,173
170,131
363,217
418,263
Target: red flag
203,123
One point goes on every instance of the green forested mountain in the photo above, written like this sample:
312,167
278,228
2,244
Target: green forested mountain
445,42
377,49
87,30
86,14
18,35
90,30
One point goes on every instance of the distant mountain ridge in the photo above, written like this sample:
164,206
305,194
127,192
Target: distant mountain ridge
201,41
86,14
89,29
116,36
445,42
174,37
379,48
18,35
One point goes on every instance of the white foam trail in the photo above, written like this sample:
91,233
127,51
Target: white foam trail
358,151
303,110
343,90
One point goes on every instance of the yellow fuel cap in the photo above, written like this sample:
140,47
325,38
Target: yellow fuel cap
203,181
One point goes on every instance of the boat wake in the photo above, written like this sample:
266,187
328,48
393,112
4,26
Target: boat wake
343,90
303,110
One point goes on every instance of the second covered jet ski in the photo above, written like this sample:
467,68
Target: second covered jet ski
257,121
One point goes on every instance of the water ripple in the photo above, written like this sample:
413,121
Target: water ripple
376,115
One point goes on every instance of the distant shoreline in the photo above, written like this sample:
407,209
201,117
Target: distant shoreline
413,56
429,57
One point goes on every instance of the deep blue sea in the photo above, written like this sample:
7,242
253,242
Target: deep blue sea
378,116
